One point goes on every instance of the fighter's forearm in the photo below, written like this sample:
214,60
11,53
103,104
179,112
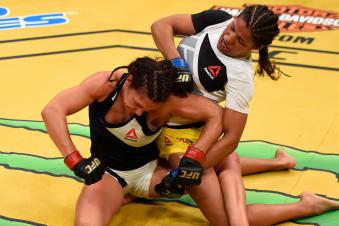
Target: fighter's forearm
209,135
163,37
219,151
233,125
56,125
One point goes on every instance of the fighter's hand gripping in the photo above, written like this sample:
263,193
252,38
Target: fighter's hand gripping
90,169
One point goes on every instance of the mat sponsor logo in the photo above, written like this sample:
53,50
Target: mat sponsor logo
297,18
38,20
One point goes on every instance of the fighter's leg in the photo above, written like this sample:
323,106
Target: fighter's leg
172,144
98,202
229,174
271,214
207,195
281,161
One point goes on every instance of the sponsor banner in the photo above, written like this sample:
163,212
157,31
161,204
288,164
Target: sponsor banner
297,18
37,20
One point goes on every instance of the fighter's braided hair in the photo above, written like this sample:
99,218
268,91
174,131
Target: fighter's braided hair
263,24
159,78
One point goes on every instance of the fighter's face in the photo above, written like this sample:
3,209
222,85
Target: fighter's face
136,101
236,40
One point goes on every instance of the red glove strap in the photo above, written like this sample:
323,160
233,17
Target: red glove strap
195,154
72,159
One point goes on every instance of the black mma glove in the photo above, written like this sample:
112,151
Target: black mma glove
90,169
184,80
168,187
190,169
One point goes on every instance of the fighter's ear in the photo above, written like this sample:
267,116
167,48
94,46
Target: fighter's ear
129,78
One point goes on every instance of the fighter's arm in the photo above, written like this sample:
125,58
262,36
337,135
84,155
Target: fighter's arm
198,108
239,93
233,124
189,171
69,102
164,29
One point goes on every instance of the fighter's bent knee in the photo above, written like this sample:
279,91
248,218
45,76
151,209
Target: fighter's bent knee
231,162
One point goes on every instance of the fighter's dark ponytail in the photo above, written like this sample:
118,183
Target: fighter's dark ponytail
263,24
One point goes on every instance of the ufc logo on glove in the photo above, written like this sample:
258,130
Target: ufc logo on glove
189,175
94,164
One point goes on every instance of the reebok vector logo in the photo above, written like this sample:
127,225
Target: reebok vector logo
294,18
131,135
214,70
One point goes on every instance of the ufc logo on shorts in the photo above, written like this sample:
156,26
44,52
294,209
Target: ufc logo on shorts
183,78
94,164
190,175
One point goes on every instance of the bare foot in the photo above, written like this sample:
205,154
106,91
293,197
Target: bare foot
284,159
314,204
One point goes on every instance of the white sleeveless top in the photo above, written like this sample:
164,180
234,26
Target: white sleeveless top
217,76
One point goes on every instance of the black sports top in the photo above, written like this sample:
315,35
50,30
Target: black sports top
122,146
